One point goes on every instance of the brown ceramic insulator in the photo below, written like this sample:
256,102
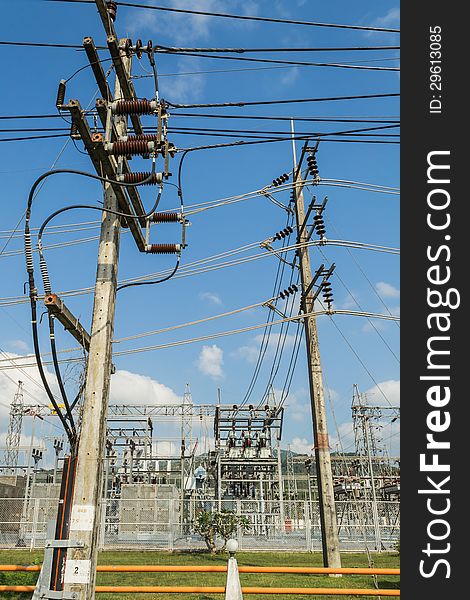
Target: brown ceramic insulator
133,107
130,147
165,217
148,137
152,178
60,94
112,10
163,249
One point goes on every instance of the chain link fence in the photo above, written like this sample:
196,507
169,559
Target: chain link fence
165,523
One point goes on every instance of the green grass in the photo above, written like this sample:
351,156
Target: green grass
210,579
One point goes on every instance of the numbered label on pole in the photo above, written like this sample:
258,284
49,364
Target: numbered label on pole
77,571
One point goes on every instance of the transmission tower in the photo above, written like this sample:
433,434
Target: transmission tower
14,429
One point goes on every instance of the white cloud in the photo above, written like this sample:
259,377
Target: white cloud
210,361
390,389
132,388
387,290
391,19
211,297
301,445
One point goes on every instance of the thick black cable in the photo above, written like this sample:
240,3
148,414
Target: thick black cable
55,360
277,49
292,101
152,282
240,17
47,45
33,291
287,139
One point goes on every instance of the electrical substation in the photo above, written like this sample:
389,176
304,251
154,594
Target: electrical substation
82,473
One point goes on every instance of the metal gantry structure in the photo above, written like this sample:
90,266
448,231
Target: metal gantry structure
10,459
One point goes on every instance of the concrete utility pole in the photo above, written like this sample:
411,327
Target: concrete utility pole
328,523
80,570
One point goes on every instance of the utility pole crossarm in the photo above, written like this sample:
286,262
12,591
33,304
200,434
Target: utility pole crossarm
127,89
96,67
71,323
104,165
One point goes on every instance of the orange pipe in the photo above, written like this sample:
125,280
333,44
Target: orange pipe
20,567
219,569
221,590
17,588
246,590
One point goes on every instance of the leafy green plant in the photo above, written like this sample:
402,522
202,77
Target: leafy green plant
224,525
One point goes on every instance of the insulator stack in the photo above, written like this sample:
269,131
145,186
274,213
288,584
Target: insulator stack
292,195
28,250
130,147
280,180
138,48
45,275
163,249
327,293
60,94
166,217
112,10
152,178
74,133
127,47
312,165
290,291
319,225
284,233
134,107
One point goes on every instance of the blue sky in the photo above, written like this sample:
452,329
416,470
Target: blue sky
32,75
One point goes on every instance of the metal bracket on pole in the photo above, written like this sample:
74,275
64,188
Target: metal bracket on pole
71,323
44,581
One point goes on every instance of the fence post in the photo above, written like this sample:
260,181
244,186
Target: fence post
35,523
171,521
308,528
104,507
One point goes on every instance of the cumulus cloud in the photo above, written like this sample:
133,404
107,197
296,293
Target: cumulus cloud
301,445
210,297
210,361
390,389
387,290
132,388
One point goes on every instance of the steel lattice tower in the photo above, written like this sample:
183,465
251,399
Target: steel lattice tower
14,429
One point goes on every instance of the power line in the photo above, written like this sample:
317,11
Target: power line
290,101
200,267
335,119
219,335
278,49
179,50
242,17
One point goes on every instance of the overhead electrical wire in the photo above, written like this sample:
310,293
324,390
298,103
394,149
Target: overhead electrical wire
241,17
353,119
289,101
225,334
196,268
